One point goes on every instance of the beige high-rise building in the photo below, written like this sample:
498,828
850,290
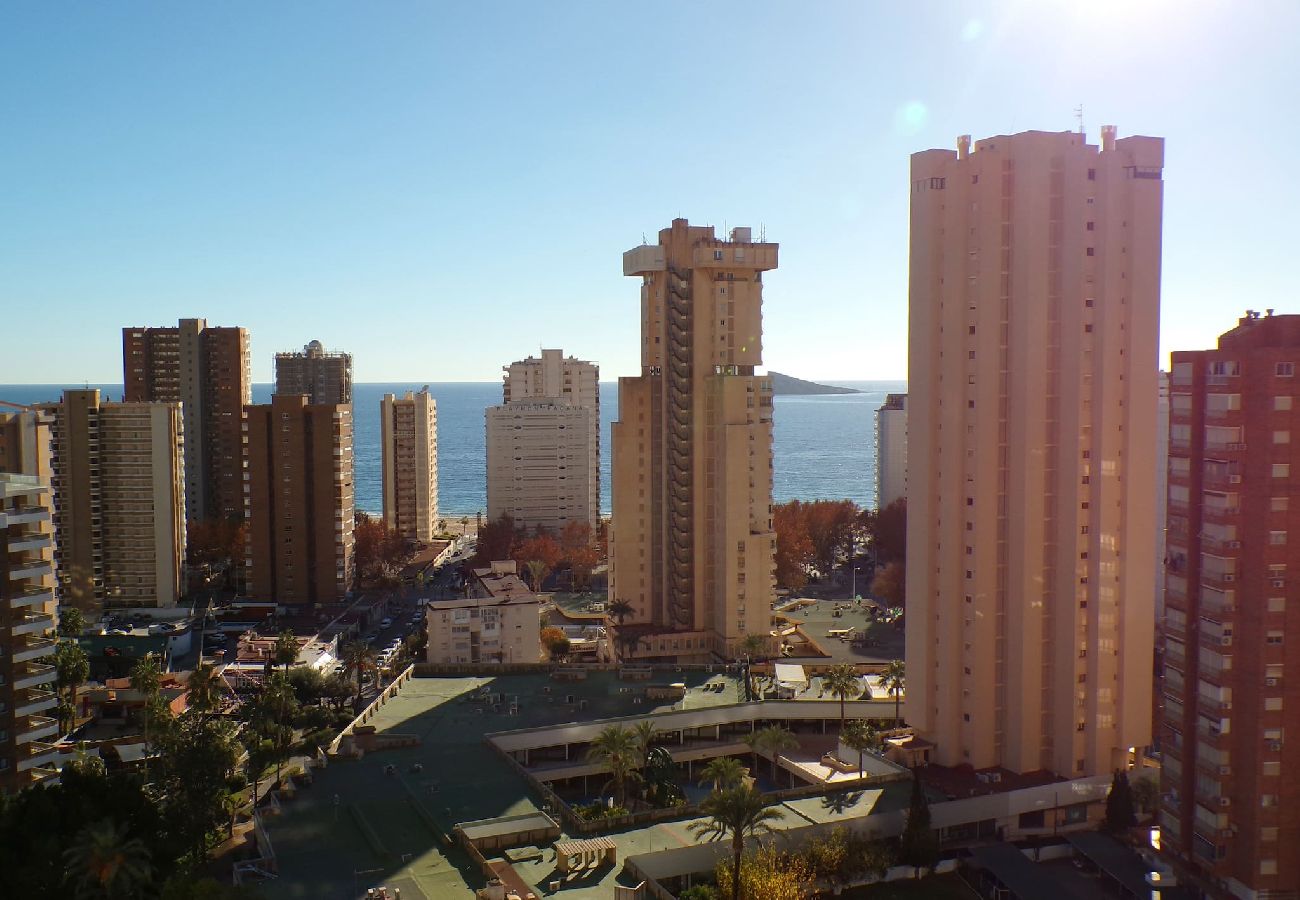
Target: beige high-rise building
209,371
119,490
1034,303
543,443
691,543
324,377
299,495
27,602
409,442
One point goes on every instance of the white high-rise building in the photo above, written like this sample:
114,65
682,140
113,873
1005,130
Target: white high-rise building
409,439
891,450
543,443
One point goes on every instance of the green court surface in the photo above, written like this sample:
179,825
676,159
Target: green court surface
324,848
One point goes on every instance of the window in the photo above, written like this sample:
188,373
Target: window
1277,538
1091,226
1284,369
1092,251
1281,437
1277,604
1272,704
1268,867
1282,402
1092,174
1274,638
1278,504
1225,367
1281,470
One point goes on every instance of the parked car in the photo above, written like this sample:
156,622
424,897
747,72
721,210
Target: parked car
385,623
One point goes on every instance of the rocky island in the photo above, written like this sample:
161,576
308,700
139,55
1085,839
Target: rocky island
789,386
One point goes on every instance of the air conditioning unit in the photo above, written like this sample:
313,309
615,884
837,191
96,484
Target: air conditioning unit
1228,576
1234,479
1279,582
1225,770
1275,746
1271,682
1224,801
1233,545
1225,641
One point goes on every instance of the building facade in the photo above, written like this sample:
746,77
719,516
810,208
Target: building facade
300,505
891,450
498,621
1231,713
543,443
409,444
692,545
28,726
1034,305
119,489
323,377
208,370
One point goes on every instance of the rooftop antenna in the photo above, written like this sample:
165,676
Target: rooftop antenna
1078,114
762,233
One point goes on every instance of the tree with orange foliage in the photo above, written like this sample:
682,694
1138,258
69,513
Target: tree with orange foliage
794,549
380,552
539,555
889,532
580,553
890,584
832,527
496,541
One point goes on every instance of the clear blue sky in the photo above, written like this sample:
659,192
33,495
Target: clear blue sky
441,188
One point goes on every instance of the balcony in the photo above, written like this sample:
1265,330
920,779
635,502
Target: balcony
30,597
24,515
33,650
34,675
37,727
41,754
30,624
35,540
35,701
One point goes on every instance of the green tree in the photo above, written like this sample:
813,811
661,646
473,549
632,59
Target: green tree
359,658
1146,793
616,748
736,813
860,735
645,733
72,669
723,772
71,622
660,776
198,756
895,680
146,679
1119,804
775,740
105,861
286,649
618,610
918,845
843,682
205,689
756,646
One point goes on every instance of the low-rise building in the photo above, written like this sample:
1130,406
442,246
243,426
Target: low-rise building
498,622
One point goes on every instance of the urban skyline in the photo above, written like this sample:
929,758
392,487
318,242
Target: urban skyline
163,224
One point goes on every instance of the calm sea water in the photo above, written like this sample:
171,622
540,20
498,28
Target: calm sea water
823,447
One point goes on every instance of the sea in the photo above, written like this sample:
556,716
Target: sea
824,446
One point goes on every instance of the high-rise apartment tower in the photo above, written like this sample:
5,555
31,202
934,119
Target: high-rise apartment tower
543,443
409,445
323,377
207,370
300,501
119,491
1231,730
891,450
27,605
1034,305
692,545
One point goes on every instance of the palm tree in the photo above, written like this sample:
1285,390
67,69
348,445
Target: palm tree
645,733
537,572
842,681
859,735
755,646
104,862
723,772
737,812
358,656
617,749
146,678
775,740
286,649
895,680
71,622
619,610
205,688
